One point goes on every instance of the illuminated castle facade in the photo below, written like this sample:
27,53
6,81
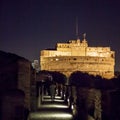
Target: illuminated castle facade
76,55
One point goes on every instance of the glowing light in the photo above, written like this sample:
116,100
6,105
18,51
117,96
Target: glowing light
72,107
68,100
57,99
52,115
53,106
56,59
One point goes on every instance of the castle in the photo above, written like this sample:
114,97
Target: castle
76,55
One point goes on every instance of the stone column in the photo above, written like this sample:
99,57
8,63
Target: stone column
98,110
88,104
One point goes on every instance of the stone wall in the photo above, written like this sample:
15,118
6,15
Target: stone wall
24,79
92,65
15,73
12,105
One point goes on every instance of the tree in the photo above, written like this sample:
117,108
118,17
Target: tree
58,77
81,79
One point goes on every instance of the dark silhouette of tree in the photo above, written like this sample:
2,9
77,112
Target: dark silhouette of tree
116,82
58,77
79,78
117,74
98,82
52,75
44,78
44,75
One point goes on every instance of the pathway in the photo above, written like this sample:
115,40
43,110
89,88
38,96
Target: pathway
52,110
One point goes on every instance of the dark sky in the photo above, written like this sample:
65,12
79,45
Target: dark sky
28,26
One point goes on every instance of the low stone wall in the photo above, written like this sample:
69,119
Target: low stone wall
12,106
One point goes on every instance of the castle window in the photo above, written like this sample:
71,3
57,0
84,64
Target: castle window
74,59
112,55
56,59
51,60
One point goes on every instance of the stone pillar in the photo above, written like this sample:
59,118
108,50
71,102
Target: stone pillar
33,98
81,104
73,104
98,109
88,104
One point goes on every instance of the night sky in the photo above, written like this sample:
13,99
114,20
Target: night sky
28,26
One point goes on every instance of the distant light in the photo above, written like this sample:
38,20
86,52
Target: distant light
56,59
68,100
44,115
54,106
62,115
72,107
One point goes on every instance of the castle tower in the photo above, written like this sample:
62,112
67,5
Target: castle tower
76,55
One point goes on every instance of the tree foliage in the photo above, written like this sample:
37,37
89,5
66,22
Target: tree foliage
81,79
58,77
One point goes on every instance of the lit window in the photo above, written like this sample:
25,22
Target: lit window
56,59
74,59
